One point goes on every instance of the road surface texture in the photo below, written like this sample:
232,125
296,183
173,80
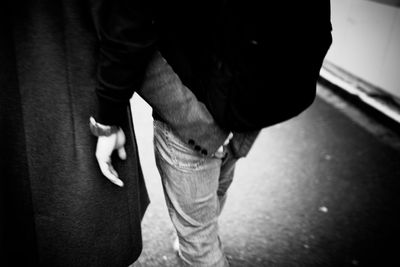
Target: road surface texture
321,189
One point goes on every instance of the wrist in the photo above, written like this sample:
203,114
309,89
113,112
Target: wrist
98,129
110,112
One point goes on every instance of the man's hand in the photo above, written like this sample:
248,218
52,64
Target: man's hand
227,140
105,147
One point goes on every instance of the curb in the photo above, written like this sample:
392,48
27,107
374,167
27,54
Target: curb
368,95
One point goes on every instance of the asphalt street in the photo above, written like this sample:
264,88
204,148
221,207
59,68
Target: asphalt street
321,189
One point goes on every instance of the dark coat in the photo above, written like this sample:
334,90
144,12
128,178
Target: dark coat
232,56
56,207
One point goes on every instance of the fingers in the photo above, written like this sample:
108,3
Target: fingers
108,171
122,153
104,149
220,150
228,139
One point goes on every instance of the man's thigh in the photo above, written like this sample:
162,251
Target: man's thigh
190,179
190,183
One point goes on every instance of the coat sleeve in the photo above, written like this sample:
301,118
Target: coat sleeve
126,38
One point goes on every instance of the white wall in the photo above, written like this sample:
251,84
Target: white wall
366,41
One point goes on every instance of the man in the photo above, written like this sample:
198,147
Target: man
195,175
169,52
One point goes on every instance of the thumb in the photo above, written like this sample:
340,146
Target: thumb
228,139
122,153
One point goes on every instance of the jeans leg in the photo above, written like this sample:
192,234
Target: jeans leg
190,183
226,176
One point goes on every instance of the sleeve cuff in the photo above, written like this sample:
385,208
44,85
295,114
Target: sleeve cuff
111,113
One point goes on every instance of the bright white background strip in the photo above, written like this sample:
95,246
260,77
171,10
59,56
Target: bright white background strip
350,88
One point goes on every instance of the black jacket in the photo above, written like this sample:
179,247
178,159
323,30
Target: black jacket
280,38
131,31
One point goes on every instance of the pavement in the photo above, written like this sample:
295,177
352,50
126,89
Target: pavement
321,189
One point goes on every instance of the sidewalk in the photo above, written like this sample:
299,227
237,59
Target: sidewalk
363,92
318,190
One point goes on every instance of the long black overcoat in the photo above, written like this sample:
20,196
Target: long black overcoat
56,207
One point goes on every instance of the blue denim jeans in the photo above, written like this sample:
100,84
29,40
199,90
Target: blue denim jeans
195,189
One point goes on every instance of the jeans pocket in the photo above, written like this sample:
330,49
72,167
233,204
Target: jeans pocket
180,154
